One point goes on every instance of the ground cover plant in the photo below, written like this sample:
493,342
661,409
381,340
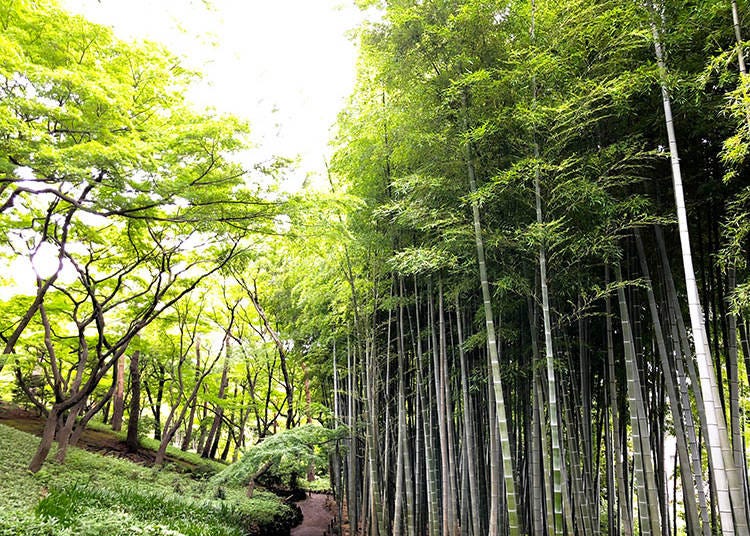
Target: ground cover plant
97,495
181,460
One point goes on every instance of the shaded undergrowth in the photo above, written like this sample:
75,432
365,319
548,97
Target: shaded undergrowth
94,495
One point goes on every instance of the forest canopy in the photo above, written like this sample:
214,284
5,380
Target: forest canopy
123,198
518,304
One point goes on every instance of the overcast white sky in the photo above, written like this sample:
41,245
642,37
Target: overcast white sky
285,65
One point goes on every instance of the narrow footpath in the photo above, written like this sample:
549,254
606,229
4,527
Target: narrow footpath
317,511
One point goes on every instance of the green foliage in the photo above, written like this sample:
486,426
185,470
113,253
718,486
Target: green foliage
78,103
79,507
321,483
554,110
28,524
412,261
137,195
289,452
194,463
96,495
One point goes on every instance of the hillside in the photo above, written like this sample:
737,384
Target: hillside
92,494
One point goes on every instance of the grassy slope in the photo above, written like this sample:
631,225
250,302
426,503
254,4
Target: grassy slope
181,459
97,495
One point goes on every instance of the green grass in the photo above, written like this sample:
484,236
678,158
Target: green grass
93,495
204,465
321,483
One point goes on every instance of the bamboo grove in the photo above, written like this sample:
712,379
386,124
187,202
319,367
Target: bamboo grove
547,267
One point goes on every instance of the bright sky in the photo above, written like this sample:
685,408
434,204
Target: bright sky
285,65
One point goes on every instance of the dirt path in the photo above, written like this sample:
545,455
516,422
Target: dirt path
317,511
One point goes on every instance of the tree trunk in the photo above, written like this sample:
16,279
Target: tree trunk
469,439
537,495
48,436
438,353
689,492
118,402
734,393
401,433
230,434
730,495
352,488
194,406
173,423
135,403
511,501
450,429
80,426
156,402
260,472
64,433
557,454
209,448
377,521
288,387
683,355
308,416
433,502
625,510
738,38
648,501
